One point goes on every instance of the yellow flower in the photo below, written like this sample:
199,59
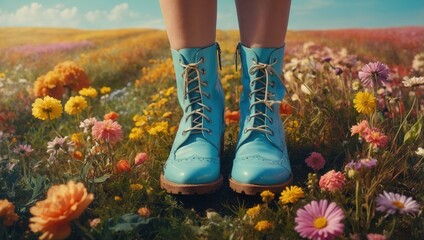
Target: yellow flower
117,198
158,127
263,226
2,76
167,114
75,105
139,120
169,91
47,108
88,92
136,186
136,133
267,196
77,139
291,194
364,102
253,211
105,90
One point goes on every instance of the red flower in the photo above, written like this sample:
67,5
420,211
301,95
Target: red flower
123,166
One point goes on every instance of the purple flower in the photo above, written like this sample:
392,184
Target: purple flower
374,72
395,202
368,162
315,161
327,59
23,149
338,71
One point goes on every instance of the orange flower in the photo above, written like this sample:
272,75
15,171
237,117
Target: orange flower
123,166
48,85
7,212
143,212
232,116
78,155
285,109
72,75
111,115
63,204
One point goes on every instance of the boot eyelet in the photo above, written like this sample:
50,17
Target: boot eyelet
245,131
205,83
274,60
271,133
203,71
271,120
202,59
210,131
183,132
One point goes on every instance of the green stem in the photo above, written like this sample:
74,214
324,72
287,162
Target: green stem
357,200
87,234
403,122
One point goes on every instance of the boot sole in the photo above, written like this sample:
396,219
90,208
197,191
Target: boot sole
190,189
253,189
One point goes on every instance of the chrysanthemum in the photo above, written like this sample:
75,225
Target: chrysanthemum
364,102
375,137
391,203
75,105
319,220
413,81
107,131
23,149
359,128
374,72
267,196
88,92
46,108
263,226
7,213
315,161
291,194
332,181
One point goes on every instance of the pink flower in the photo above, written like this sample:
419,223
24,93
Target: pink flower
319,220
332,180
374,72
375,137
108,131
360,128
140,158
391,203
375,236
315,161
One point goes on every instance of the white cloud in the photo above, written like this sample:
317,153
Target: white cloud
118,12
35,14
93,16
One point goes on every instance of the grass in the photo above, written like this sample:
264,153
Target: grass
318,116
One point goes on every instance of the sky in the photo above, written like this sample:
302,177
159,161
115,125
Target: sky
304,14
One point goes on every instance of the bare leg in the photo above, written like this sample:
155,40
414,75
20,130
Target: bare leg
190,23
263,23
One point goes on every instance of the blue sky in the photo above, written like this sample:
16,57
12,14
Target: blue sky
305,14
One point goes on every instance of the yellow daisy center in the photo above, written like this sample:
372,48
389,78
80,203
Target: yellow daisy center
398,204
320,222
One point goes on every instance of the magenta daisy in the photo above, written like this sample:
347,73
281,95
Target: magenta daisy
23,149
391,203
315,161
319,220
374,72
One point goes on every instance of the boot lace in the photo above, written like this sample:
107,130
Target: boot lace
262,96
194,93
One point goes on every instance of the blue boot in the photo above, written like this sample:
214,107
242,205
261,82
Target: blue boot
193,165
261,161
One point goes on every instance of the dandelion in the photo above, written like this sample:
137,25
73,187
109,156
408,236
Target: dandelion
420,151
47,108
59,145
267,196
413,81
144,212
360,128
63,204
7,212
332,181
373,73
140,158
108,131
375,137
319,220
263,226
375,236
105,90
111,115
23,149
75,105
136,187
158,127
253,211
291,195
123,166
87,124
391,203
364,102
315,161
88,92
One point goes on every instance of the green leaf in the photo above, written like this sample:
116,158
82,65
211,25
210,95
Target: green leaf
414,132
102,178
127,222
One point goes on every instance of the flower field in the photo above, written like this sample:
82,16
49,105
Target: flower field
87,119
